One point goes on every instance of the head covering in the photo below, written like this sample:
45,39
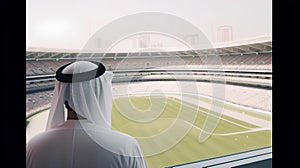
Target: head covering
87,88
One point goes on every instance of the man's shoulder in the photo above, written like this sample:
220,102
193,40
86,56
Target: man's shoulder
117,136
123,136
109,133
109,136
48,135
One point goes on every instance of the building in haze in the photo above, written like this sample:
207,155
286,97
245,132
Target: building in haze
224,33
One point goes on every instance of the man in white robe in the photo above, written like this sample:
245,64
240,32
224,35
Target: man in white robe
84,137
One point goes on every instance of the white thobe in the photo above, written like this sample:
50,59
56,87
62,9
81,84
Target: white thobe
61,148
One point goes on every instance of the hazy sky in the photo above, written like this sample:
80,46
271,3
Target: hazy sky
69,23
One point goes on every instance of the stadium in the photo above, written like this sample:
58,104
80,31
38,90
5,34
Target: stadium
150,98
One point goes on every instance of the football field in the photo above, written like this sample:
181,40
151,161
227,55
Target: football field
138,116
168,129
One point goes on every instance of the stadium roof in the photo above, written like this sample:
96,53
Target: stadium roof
252,46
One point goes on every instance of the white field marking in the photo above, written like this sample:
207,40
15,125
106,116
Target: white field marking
217,116
237,115
235,105
253,110
228,134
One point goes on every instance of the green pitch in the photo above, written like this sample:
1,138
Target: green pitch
146,117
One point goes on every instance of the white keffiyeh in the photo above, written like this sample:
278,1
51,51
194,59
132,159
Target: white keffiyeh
90,99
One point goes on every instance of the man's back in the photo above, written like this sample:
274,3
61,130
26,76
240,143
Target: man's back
63,147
